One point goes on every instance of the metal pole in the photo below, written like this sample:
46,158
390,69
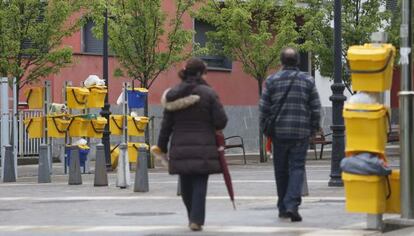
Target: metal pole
47,140
105,112
15,125
337,98
406,116
4,120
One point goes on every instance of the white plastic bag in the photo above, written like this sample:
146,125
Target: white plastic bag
94,80
80,142
364,97
58,109
120,99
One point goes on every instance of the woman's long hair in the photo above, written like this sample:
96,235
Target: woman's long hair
194,69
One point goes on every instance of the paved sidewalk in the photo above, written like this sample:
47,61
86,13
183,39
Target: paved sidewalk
28,208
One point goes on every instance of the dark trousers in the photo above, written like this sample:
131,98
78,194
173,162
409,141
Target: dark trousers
289,164
193,193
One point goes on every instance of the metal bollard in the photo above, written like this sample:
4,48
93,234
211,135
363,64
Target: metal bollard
9,174
43,173
75,177
141,174
101,177
305,189
179,186
123,179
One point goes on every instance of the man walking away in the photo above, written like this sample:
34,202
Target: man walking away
290,103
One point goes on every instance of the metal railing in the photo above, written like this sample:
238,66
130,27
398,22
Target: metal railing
26,146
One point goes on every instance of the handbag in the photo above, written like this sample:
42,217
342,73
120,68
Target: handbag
269,123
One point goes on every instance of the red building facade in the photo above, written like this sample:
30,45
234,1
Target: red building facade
233,86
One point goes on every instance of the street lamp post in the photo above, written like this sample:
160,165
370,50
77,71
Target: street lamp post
406,114
337,98
105,112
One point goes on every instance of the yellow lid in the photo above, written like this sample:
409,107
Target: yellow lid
78,90
364,107
83,147
100,120
365,178
138,145
370,52
142,90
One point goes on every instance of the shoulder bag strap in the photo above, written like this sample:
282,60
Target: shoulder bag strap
282,100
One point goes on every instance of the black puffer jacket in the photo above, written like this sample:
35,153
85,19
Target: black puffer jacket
192,114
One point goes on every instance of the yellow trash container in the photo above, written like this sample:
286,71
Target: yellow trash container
116,124
137,125
133,151
96,127
371,67
366,127
77,97
365,193
114,156
35,97
96,97
57,126
34,127
78,126
393,203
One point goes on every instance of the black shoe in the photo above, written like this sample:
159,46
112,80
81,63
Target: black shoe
283,214
294,216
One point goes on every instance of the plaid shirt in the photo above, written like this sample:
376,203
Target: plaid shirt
299,116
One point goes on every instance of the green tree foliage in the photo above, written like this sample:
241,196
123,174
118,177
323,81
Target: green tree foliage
254,32
145,40
31,34
360,18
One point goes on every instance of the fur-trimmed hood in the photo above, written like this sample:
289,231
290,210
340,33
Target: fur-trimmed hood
179,103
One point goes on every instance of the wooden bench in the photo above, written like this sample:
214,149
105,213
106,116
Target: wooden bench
239,144
319,138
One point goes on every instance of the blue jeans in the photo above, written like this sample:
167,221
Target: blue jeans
289,163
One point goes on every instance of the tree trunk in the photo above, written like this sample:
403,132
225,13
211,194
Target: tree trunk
147,133
263,158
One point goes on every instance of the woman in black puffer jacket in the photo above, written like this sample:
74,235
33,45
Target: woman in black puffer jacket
192,115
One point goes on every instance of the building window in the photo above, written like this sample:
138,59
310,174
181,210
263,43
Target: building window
90,43
392,5
213,61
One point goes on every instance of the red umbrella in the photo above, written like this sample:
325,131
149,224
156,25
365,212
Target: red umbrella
225,169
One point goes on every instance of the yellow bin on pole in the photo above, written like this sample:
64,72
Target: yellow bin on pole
57,126
133,149
35,97
77,97
371,67
96,127
78,127
137,125
366,127
116,123
34,127
365,193
96,97
393,203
